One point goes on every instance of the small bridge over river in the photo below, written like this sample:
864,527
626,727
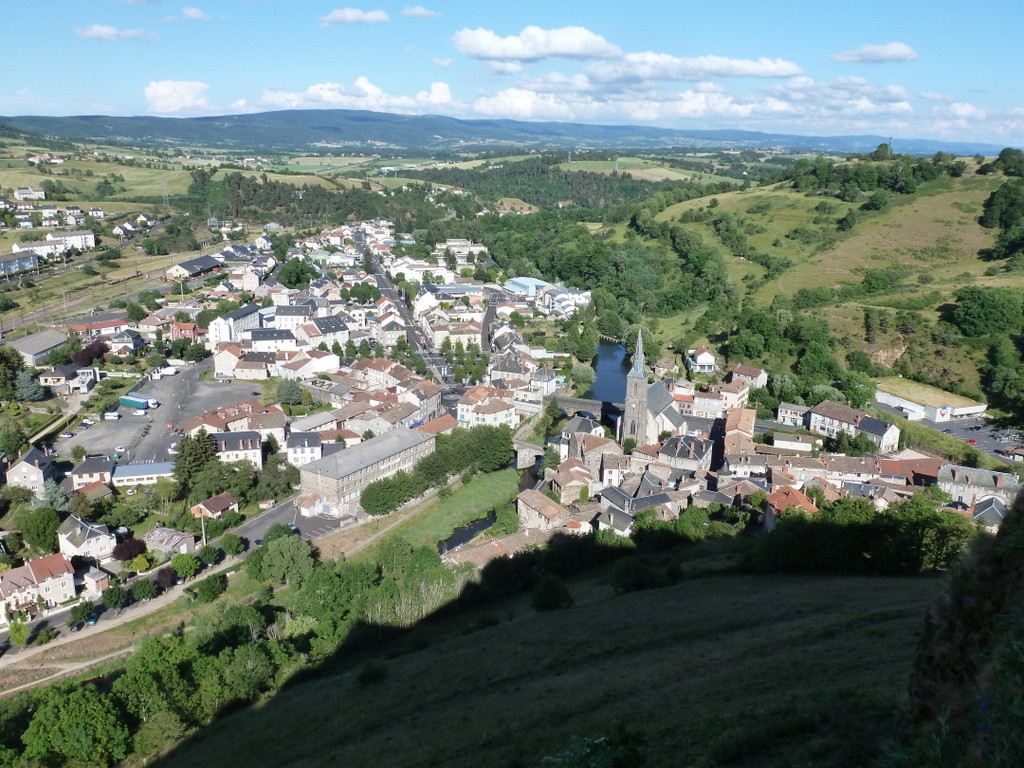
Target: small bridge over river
607,413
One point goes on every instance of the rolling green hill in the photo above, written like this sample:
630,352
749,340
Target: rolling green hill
323,129
932,238
720,669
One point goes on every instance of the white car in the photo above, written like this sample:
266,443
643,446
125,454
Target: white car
138,412
172,448
120,448
89,422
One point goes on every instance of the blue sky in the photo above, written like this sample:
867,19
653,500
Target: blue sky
909,69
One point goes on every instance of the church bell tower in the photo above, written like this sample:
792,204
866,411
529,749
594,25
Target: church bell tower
634,420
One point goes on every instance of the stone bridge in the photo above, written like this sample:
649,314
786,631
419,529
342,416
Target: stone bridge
527,453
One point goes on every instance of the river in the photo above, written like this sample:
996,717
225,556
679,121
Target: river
611,366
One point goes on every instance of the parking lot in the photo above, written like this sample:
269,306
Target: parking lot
146,437
986,437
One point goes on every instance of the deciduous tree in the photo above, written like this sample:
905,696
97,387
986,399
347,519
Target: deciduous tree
78,724
185,565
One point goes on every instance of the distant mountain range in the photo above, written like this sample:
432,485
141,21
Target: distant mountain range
324,129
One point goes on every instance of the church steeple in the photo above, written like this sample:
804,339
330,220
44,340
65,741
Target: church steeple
635,418
639,368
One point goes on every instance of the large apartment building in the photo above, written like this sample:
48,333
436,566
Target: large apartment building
340,478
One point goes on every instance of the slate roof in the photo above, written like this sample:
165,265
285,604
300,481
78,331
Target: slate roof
367,453
78,531
304,440
872,425
92,465
200,264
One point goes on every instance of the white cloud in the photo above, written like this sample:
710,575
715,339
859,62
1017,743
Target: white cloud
419,12
443,62
168,97
642,106
439,93
965,111
558,82
522,104
353,16
506,67
534,43
662,66
844,96
106,32
932,96
875,54
361,95
191,13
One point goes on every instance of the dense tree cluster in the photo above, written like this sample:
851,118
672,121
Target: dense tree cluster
901,174
983,311
541,182
296,273
482,448
237,195
851,536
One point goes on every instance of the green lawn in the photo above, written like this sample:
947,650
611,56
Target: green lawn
468,503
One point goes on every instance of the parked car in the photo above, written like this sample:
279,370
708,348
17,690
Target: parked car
972,441
92,618
256,394
88,422
138,412
67,434
77,626
120,448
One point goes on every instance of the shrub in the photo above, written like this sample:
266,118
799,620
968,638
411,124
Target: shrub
45,635
210,588
143,589
372,672
232,544
550,594
633,574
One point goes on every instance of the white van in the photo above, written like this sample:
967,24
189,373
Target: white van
111,416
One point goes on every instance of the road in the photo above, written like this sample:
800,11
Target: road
416,338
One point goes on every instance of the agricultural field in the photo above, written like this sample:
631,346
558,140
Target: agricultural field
468,164
642,168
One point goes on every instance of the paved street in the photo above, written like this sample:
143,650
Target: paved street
419,342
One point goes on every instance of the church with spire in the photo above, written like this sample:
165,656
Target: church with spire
649,408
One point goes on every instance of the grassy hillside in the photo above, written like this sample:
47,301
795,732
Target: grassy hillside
643,168
933,237
721,669
934,231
